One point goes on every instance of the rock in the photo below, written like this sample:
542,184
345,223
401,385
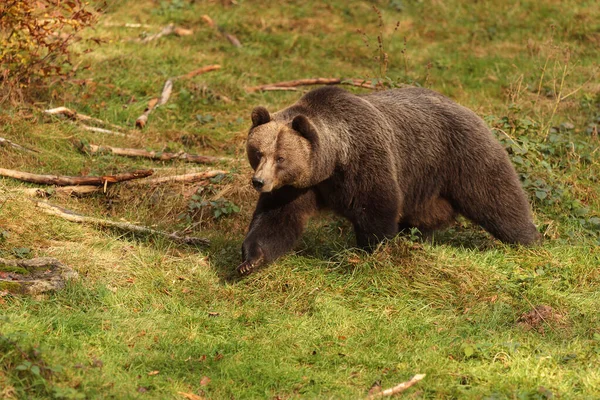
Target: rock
34,276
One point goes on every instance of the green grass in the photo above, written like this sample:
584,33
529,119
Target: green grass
150,319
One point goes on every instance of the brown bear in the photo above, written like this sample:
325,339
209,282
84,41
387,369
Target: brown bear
387,160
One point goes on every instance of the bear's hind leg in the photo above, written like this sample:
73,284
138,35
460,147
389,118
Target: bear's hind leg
497,202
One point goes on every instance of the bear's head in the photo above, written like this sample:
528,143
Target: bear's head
280,152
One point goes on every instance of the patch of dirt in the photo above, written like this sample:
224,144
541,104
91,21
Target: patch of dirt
539,317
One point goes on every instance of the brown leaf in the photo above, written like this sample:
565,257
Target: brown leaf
152,373
204,381
183,32
191,396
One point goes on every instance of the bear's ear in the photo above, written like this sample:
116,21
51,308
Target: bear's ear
303,126
260,116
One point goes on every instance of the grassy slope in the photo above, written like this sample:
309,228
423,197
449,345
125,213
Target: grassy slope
325,322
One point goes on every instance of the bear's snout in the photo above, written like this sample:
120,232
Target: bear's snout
258,183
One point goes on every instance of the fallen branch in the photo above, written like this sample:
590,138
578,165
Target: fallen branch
155,155
6,142
232,39
199,71
185,178
75,116
102,130
170,29
61,190
398,388
74,180
291,85
153,104
125,226
140,122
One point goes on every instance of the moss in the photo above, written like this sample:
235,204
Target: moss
12,287
13,269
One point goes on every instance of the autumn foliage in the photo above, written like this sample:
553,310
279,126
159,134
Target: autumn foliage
35,40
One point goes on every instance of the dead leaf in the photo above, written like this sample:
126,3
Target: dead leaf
209,21
152,373
183,31
204,381
191,396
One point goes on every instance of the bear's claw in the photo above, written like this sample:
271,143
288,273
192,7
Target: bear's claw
245,268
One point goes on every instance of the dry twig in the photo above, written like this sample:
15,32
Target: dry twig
170,29
74,180
125,226
291,85
6,142
75,116
185,178
155,155
398,388
61,190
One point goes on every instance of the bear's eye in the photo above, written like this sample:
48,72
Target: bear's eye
280,160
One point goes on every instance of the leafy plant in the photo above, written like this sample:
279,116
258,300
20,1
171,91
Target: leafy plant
36,39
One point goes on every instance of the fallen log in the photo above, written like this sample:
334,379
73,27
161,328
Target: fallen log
74,180
124,226
155,155
291,85
34,276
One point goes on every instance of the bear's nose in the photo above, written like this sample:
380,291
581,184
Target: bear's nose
257,183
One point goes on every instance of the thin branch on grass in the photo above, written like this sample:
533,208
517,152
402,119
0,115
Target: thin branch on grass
74,180
75,116
6,142
61,190
199,71
170,29
153,104
291,85
141,121
185,178
155,155
102,130
124,226
398,388
232,38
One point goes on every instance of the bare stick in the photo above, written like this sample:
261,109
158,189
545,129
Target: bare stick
398,388
6,142
75,116
153,104
102,130
74,180
310,81
61,190
125,226
199,71
155,155
185,178
167,30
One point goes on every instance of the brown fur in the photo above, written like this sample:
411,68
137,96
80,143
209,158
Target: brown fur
386,161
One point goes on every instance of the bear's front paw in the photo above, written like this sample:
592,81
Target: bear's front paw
245,268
